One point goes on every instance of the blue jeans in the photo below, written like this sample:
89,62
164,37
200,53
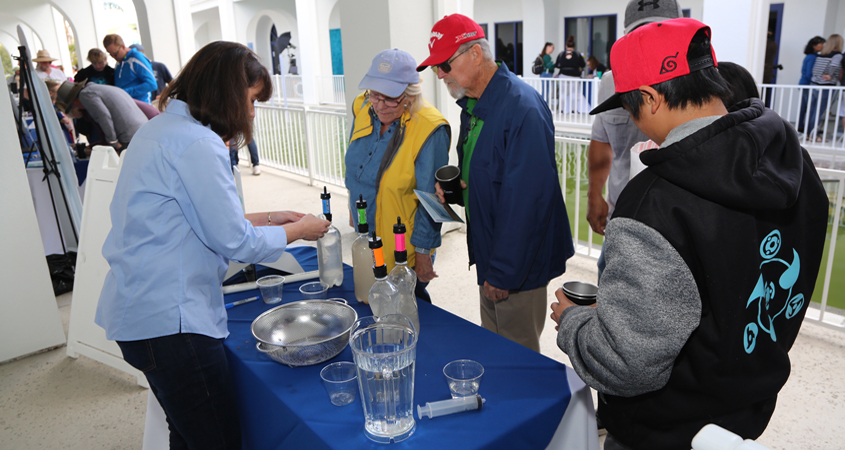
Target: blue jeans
546,85
189,375
805,97
822,107
253,154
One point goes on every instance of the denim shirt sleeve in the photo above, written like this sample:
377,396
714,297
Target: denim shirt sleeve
212,208
433,155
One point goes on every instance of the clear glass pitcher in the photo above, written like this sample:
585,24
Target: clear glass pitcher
385,349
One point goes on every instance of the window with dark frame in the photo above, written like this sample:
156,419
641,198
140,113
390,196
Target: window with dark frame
594,35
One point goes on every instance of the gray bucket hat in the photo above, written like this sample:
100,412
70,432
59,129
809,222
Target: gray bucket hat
390,73
67,93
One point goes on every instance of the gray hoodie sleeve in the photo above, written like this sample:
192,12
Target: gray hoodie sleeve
648,305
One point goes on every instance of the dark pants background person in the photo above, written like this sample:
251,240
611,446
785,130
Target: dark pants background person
253,156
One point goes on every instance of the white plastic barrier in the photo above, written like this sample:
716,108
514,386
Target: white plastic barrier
84,336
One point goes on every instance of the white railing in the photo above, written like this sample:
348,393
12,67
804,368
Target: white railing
331,90
834,183
303,140
287,89
571,158
815,111
311,141
570,100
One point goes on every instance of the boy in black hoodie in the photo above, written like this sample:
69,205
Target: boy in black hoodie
712,253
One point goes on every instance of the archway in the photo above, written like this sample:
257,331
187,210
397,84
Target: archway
258,33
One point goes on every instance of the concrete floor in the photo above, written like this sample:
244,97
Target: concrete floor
50,401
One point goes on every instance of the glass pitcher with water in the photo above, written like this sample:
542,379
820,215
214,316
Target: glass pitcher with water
385,349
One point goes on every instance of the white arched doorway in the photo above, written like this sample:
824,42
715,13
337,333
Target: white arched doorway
258,34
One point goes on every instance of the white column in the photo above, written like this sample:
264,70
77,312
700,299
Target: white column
184,33
167,42
226,11
82,20
308,51
739,37
62,44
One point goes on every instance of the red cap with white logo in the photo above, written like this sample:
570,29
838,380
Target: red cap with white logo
447,35
652,54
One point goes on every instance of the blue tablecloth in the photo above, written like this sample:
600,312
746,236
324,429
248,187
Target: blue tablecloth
282,407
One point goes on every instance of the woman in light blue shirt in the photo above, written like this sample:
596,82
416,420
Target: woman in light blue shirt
176,223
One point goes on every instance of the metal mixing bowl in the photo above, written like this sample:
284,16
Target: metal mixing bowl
306,332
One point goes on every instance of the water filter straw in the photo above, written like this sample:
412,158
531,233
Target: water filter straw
361,206
379,269
401,255
327,207
451,406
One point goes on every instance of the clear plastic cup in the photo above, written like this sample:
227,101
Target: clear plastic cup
341,382
463,377
314,290
271,288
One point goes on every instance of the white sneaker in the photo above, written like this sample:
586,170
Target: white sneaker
256,170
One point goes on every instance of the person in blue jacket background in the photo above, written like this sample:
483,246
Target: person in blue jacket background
517,228
133,72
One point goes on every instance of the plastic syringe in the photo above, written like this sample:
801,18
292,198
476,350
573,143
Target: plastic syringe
452,406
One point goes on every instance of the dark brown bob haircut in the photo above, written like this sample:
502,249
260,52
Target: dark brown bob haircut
214,84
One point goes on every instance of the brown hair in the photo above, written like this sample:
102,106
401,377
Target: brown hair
96,55
570,41
112,39
216,92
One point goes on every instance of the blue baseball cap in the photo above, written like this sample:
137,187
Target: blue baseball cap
391,72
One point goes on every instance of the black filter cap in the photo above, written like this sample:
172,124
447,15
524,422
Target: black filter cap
380,271
363,228
399,228
325,195
361,203
375,241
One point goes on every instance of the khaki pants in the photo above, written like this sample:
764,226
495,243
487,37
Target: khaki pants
519,317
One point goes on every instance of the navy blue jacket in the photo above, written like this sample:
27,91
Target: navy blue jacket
518,231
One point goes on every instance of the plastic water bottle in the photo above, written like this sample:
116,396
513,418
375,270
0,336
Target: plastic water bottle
404,278
383,296
362,257
329,250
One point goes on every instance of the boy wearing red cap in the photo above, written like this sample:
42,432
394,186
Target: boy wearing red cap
517,228
712,253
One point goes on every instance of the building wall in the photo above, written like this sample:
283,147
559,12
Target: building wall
802,19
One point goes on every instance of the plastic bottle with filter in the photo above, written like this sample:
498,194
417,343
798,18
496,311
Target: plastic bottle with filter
404,278
383,296
362,257
329,250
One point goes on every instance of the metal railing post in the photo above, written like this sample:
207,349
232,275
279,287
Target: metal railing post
309,145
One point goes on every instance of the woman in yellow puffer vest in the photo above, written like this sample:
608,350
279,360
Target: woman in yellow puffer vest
398,140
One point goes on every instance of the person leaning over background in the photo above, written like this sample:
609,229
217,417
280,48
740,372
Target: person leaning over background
517,228
398,140
98,72
111,108
176,223
706,284
133,72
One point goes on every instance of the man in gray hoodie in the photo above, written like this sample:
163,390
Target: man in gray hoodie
111,108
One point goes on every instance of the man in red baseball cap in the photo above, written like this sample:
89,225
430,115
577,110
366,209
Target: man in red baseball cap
712,253
517,228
